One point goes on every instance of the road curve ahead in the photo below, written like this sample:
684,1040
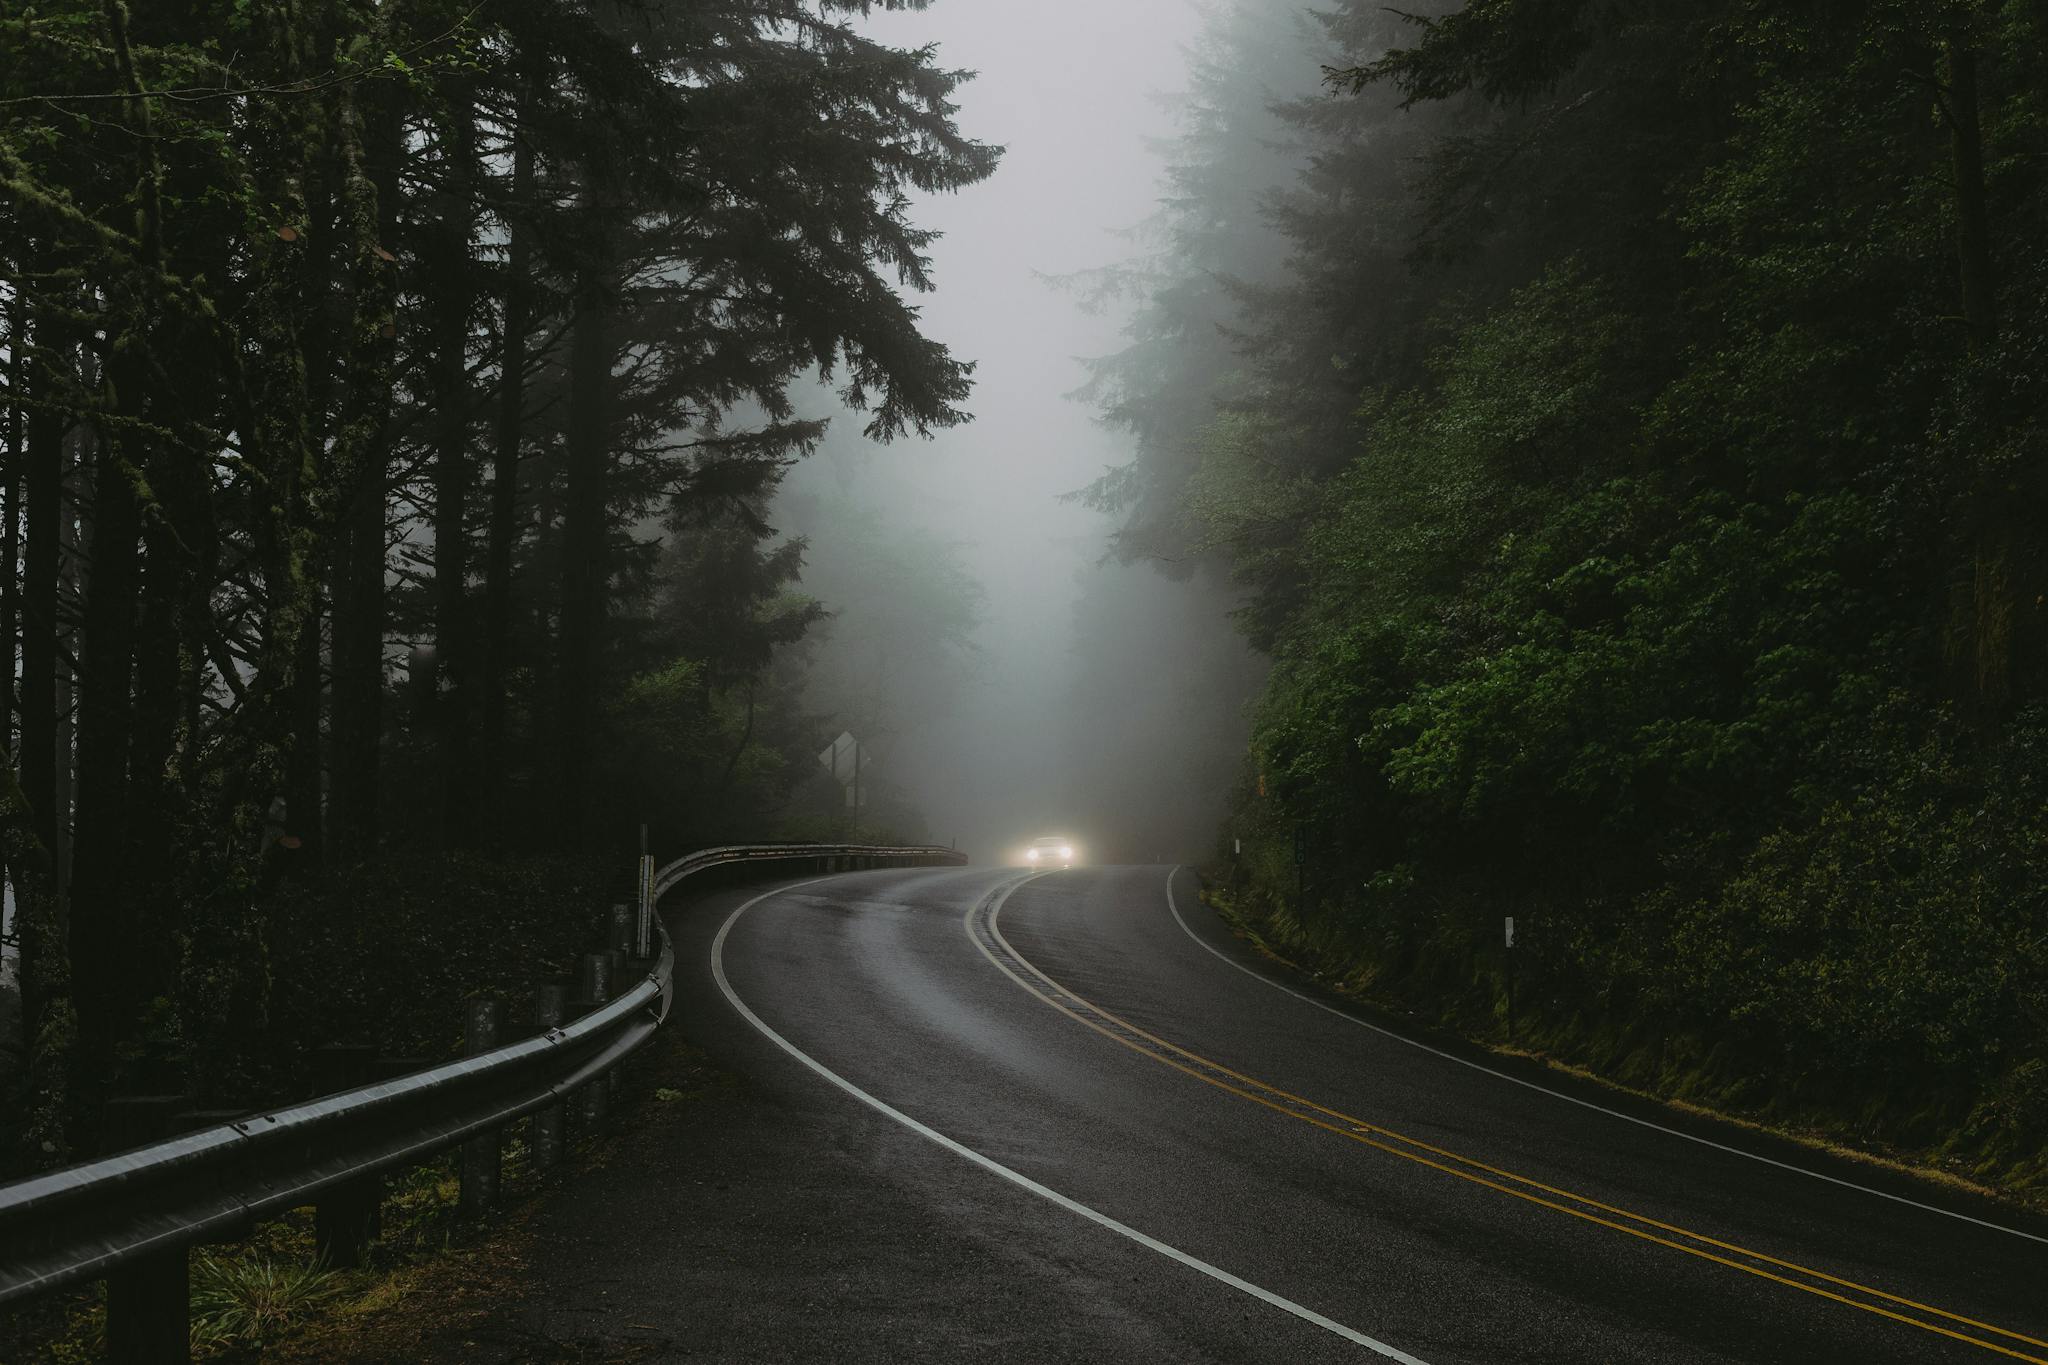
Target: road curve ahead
1174,1152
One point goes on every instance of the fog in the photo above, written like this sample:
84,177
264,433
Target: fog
1047,729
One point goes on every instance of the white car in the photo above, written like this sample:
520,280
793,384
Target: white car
1051,851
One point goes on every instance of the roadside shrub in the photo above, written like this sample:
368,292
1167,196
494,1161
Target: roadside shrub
1900,938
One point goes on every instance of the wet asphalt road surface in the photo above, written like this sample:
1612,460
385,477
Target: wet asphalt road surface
990,1115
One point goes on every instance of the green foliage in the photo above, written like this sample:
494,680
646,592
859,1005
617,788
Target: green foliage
1905,926
1684,594
245,1301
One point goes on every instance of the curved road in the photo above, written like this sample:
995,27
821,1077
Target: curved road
1067,1116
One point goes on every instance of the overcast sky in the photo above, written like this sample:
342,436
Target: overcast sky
1069,88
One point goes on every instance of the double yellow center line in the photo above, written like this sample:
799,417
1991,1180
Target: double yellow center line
983,929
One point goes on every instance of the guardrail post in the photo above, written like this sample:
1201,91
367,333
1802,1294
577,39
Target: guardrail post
345,1218
148,1300
597,988
149,1311
483,1155
544,1129
615,979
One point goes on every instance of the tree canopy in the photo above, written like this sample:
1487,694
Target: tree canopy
394,393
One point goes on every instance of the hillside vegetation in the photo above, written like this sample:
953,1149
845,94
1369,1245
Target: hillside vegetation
1636,477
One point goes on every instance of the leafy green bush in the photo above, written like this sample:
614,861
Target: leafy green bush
1898,943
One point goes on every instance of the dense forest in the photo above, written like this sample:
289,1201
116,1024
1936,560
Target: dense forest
1619,426
396,396
1623,425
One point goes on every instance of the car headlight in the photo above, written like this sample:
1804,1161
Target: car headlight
1066,853
1032,854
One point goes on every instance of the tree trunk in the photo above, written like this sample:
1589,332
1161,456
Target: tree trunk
585,530
169,643
10,530
44,478
102,910
302,774
358,701
304,794
452,634
72,546
1994,584
504,523
10,549
359,660
1973,219
39,907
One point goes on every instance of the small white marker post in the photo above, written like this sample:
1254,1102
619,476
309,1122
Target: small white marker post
1508,936
643,937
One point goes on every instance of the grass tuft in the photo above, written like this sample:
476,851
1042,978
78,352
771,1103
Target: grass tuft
249,1301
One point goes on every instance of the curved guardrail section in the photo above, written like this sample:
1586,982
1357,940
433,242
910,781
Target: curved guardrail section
821,857
89,1221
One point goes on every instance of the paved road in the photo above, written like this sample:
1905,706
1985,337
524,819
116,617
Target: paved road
998,1116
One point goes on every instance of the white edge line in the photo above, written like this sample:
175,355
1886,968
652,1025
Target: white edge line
1574,1099
997,1168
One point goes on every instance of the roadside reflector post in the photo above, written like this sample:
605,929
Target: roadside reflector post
1300,868
544,1129
643,936
1508,947
482,1160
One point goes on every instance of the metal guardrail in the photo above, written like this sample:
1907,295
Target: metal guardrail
121,1214
821,857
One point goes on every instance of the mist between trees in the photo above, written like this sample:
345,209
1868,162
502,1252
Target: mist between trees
395,398
1623,427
